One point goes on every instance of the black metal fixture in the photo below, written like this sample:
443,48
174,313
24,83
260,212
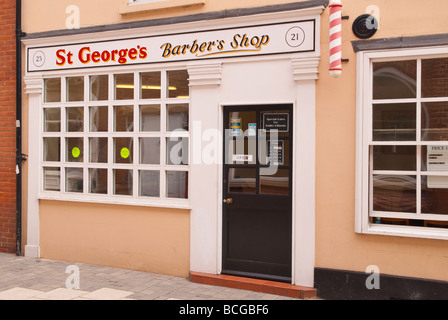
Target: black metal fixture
365,26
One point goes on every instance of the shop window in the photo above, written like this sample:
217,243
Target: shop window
403,149
126,138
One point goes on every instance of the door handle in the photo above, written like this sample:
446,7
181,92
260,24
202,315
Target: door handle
228,200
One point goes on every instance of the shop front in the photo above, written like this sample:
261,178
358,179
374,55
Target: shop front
178,147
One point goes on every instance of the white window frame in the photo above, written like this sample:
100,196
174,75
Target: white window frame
364,140
110,198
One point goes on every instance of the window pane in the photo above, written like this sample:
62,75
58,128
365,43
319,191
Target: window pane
74,147
99,88
177,151
242,180
52,90
149,183
435,194
435,78
98,119
52,149
178,84
150,150
75,119
394,80
394,193
277,183
150,118
75,89
177,117
124,86
124,118
177,184
74,180
98,181
150,85
52,120
435,121
122,182
98,150
123,150
394,158
52,178
394,122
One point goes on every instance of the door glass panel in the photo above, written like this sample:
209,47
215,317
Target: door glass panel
242,180
274,183
241,138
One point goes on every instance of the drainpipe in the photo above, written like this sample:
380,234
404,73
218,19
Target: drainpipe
19,156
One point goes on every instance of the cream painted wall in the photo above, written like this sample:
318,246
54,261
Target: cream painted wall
139,238
337,245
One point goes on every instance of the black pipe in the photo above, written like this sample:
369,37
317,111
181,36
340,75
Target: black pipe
19,157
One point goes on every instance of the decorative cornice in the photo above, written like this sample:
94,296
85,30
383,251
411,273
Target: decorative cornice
33,84
202,74
305,68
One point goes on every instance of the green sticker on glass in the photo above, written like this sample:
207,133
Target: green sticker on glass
124,153
76,152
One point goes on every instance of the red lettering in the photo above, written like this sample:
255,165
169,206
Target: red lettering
133,54
122,53
60,56
143,53
96,57
84,59
105,56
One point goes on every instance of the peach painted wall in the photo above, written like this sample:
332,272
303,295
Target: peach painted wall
52,14
337,245
139,238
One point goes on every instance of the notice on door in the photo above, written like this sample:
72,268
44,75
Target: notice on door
437,160
276,121
275,149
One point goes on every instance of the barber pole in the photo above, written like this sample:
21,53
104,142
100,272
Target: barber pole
335,38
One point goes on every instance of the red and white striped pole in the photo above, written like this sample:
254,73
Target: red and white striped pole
335,38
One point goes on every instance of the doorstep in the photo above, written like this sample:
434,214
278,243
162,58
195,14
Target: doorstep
258,285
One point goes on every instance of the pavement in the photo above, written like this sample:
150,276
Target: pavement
24,278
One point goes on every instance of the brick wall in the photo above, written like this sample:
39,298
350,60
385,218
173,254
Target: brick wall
7,126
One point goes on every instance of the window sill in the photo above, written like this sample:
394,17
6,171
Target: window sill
159,5
120,200
406,231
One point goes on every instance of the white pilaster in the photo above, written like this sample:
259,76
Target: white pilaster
34,88
205,172
305,73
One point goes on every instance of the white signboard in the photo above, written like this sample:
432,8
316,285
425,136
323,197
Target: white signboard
277,38
437,160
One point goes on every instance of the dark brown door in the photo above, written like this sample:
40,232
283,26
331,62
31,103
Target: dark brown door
257,195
